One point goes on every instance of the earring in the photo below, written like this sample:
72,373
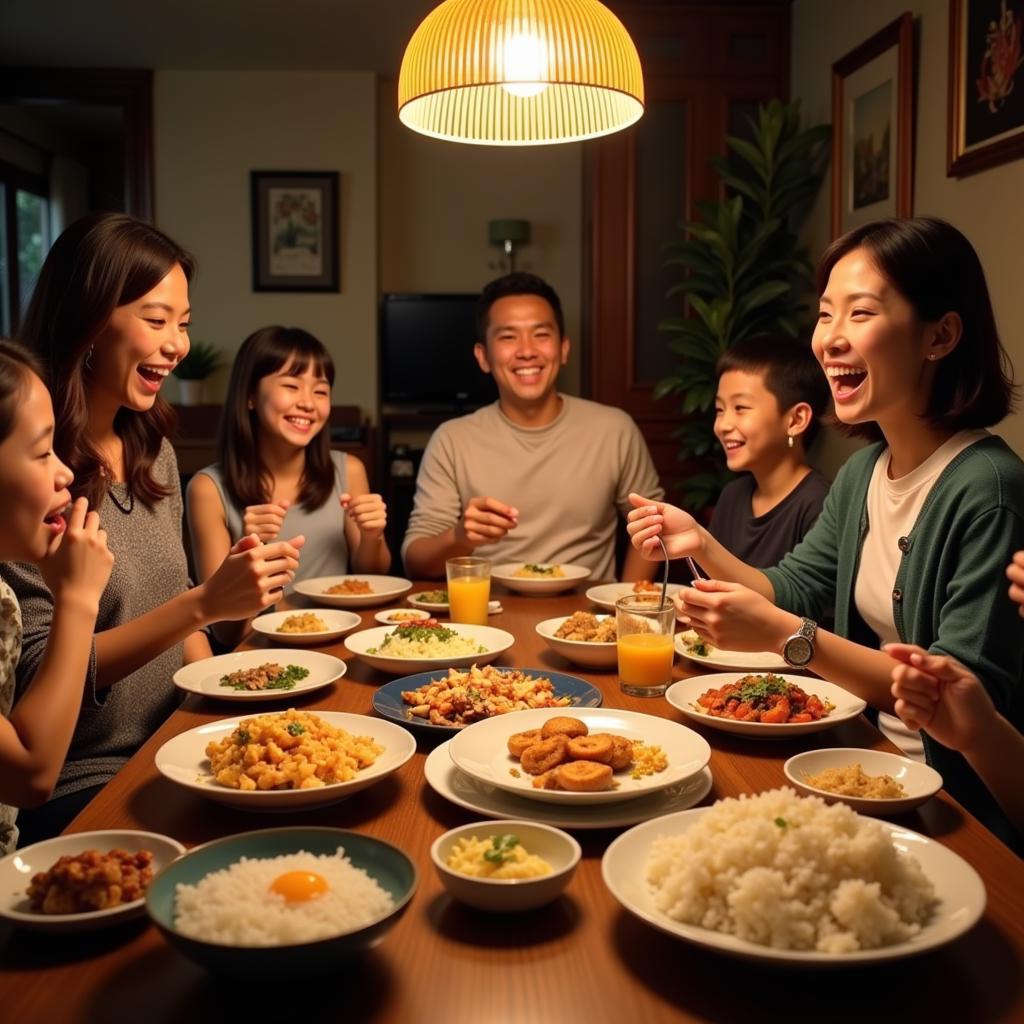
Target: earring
931,355
789,441
88,359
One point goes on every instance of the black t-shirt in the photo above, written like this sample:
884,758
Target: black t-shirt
763,541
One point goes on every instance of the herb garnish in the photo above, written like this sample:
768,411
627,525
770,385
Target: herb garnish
242,738
781,822
296,729
501,849
755,688
283,679
540,570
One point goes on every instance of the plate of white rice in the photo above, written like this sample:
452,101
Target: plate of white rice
453,646
784,878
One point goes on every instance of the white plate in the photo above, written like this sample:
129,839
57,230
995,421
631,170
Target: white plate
505,574
17,870
920,782
435,607
203,677
683,696
957,885
751,661
415,614
338,624
183,761
494,641
582,652
605,595
481,751
446,780
385,589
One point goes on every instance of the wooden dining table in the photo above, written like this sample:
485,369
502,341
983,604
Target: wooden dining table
581,959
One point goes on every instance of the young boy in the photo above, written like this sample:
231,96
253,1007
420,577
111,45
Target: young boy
771,392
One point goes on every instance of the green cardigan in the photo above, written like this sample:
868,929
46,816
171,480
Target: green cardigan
950,591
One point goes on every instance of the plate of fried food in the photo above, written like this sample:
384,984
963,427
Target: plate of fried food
265,674
284,761
606,594
691,645
591,755
539,578
428,644
583,638
767,706
82,880
353,591
299,628
439,702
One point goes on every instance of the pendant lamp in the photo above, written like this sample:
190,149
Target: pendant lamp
520,73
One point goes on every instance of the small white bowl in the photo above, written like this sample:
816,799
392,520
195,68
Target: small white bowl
534,586
338,624
509,895
580,652
919,781
406,615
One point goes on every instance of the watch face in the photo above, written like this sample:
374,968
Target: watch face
798,650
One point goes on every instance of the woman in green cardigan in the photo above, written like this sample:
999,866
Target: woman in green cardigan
915,532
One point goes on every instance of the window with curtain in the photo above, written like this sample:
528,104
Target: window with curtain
24,240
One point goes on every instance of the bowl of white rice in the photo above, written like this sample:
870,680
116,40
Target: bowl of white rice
283,900
403,651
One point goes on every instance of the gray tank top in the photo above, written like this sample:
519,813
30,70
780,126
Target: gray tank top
326,551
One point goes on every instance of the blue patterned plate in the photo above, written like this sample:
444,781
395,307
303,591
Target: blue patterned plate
387,701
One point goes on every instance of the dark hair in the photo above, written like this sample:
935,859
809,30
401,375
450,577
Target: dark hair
101,262
246,477
789,371
935,268
516,284
16,365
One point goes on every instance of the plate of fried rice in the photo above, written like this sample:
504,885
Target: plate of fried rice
428,644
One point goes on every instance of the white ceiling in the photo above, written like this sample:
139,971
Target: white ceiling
354,35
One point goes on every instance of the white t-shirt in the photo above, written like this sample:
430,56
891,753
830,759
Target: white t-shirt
893,507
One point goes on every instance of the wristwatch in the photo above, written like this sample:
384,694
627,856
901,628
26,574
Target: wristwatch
798,650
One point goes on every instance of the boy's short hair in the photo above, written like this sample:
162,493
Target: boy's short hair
518,283
789,370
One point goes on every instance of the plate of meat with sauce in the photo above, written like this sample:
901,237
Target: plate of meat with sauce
768,706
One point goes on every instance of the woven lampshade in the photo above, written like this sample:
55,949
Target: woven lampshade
520,73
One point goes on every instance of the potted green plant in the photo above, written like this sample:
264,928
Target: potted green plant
202,361
744,273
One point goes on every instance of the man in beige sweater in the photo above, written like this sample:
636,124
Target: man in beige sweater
537,476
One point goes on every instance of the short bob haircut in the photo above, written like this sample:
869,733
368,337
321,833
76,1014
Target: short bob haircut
246,477
789,371
516,284
101,262
16,367
935,268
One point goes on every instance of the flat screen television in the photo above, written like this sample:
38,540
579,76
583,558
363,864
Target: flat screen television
426,352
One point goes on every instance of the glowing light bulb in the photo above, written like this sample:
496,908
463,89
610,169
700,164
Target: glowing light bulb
525,64
299,886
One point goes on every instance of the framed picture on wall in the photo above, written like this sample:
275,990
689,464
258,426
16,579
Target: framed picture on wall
873,128
295,231
986,84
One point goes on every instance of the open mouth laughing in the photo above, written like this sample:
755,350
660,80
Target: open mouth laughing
845,381
153,376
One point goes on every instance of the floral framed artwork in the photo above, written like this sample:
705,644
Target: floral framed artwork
986,84
873,128
295,231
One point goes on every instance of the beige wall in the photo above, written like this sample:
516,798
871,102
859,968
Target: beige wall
986,206
211,129
437,197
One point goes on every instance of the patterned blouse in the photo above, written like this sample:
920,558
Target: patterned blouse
10,651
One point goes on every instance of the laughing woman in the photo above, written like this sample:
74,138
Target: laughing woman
109,318
916,529
276,470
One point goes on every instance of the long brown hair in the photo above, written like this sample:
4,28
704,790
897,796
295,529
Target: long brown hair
16,367
101,262
246,477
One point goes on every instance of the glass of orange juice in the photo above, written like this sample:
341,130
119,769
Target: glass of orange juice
644,644
469,589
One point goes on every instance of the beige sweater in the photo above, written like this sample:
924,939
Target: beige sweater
570,481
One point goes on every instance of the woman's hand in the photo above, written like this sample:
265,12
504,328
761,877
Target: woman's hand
1015,574
681,533
936,693
78,562
734,617
250,578
264,521
368,512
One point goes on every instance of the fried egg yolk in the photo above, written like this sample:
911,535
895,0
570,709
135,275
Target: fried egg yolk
299,886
